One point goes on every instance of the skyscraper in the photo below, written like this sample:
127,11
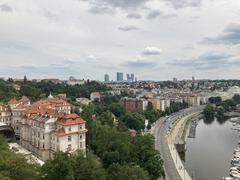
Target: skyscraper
193,78
106,77
132,77
128,77
119,76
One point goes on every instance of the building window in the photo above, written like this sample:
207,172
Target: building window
43,136
81,145
80,127
69,129
69,138
80,136
43,146
69,147
38,134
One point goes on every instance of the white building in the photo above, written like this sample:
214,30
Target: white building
95,96
164,103
46,126
5,114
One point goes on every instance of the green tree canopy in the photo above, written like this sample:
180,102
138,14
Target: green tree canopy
127,172
134,120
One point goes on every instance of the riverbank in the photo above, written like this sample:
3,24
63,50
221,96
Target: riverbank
175,138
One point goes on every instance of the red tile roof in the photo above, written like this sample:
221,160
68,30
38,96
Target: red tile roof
42,111
13,101
60,132
24,99
70,119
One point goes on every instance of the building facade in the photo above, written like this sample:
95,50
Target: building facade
106,78
131,104
45,127
119,76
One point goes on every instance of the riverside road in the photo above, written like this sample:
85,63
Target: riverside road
160,131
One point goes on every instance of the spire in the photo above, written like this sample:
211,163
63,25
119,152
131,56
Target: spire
50,96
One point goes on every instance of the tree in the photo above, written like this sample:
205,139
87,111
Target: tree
220,113
215,100
152,115
25,79
59,168
88,168
117,109
134,120
209,112
14,166
106,118
236,98
122,172
147,157
111,145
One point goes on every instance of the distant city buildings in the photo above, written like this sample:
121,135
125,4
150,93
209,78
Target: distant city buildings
73,81
130,78
106,78
193,78
119,76
175,80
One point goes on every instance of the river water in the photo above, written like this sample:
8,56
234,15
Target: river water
208,155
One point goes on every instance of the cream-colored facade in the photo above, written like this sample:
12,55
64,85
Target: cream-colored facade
156,103
45,127
5,114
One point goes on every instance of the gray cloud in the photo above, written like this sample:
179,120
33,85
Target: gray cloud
231,35
128,28
210,60
48,14
120,3
178,4
5,8
169,15
109,6
101,10
151,50
140,64
134,16
154,14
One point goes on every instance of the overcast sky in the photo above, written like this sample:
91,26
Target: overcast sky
155,39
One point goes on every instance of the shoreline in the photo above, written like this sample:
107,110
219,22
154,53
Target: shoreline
182,125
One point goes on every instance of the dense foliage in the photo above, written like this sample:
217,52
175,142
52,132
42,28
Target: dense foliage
14,166
73,167
217,108
7,91
37,90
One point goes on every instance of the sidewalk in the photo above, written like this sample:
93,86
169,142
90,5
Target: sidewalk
178,163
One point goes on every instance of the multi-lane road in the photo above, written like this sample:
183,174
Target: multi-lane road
160,131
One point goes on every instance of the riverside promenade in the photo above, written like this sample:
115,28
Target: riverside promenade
166,132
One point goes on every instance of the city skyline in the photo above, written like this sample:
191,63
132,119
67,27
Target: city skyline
157,40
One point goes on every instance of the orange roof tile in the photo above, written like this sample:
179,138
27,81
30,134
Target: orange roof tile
70,119
60,132
24,99
13,101
42,111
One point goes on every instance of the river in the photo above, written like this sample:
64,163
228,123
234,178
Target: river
208,155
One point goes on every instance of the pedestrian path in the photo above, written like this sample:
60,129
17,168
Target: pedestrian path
178,163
